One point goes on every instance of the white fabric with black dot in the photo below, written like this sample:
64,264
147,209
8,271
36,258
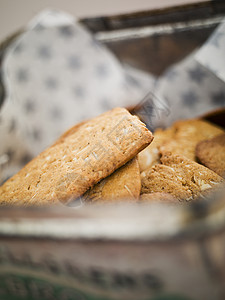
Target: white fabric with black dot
56,74
192,87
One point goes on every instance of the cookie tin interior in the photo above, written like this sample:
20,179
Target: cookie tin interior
180,30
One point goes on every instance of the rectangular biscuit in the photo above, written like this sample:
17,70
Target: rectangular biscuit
123,184
81,159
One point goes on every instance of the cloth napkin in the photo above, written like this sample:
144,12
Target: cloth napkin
57,74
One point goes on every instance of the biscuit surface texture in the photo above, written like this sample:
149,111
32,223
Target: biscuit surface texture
150,155
158,197
124,183
211,153
187,134
180,177
81,159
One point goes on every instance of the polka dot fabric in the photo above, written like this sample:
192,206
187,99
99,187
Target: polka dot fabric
55,75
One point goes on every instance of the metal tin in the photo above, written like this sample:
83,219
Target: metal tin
154,40
135,252
113,252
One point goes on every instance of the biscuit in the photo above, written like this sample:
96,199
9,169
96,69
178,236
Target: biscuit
124,183
187,134
180,177
158,197
69,168
150,155
211,153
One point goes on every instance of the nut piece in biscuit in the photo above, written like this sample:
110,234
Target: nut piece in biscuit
211,153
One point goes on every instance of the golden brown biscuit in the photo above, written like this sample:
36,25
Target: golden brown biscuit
211,153
159,197
187,134
180,177
68,169
181,138
124,183
150,155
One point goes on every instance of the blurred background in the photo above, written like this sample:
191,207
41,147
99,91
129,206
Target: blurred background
16,14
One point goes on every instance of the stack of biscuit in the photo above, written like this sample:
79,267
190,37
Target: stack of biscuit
102,161
185,161
96,158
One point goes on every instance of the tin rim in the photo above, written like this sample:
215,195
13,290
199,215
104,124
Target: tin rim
122,222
